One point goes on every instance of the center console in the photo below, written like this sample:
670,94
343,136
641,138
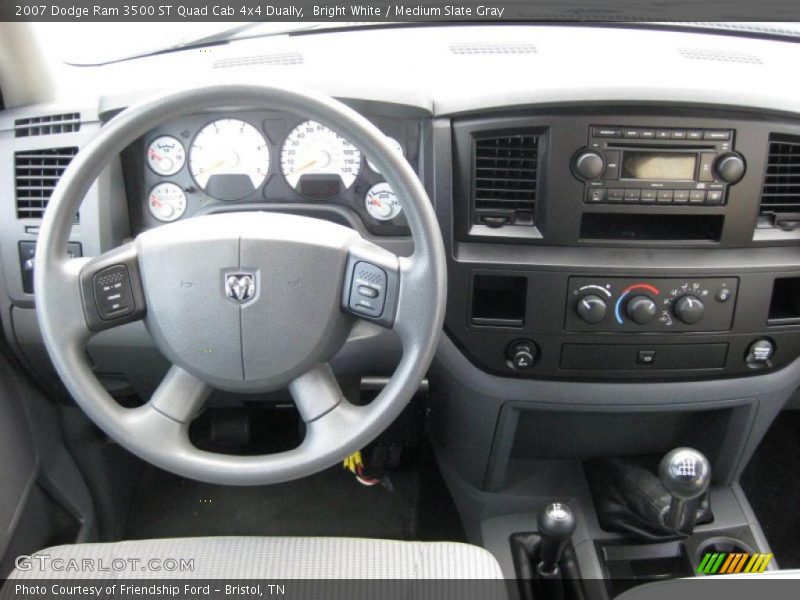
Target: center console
620,243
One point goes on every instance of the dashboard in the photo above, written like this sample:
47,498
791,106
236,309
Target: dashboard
238,159
598,228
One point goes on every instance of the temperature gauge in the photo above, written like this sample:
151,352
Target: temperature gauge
167,202
166,155
382,203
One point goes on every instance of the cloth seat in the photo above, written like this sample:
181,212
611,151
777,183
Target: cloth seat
261,558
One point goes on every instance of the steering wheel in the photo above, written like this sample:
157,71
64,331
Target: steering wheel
243,301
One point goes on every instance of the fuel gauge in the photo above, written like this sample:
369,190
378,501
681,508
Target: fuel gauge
167,202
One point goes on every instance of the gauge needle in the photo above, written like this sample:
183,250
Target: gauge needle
155,201
156,155
310,163
216,165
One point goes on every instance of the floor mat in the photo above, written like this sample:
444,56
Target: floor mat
773,488
331,503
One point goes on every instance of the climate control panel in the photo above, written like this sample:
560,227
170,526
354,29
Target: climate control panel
623,304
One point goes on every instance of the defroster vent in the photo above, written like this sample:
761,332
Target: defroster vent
36,173
504,179
780,196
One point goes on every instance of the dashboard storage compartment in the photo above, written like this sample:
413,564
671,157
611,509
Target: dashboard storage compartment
498,300
784,307
643,356
634,227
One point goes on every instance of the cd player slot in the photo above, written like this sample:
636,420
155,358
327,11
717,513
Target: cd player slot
636,227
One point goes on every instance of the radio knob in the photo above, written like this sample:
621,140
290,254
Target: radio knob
589,165
689,309
729,167
641,309
591,308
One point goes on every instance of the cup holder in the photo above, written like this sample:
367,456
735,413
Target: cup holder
721,544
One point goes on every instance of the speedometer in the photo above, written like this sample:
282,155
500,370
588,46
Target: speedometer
229,159
316,161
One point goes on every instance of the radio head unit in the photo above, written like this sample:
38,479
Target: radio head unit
641,165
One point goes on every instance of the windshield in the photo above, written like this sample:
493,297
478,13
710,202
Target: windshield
86,43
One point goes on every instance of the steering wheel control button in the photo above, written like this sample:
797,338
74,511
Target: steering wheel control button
522,354
759,354
112,292
368,289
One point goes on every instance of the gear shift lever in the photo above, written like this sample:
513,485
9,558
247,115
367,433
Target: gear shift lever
556,526
686,474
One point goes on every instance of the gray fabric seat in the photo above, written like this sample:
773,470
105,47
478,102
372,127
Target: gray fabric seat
262,558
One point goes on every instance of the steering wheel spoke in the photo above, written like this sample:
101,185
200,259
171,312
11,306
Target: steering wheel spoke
180,395
111,289
316,393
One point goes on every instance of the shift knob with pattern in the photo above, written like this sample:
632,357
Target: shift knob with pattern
556,525
686,474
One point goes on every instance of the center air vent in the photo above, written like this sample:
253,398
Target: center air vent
36,173
780,196
504,179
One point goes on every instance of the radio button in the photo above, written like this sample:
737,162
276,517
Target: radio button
707,166
631,196
662,134
680,196
647,134
615,196
716,134
630,133
697,196
596,195
665,196
679,134
694,134
612,164
714,197
607,132
648,196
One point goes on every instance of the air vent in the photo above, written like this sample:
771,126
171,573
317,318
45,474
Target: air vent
493,48
48,125
724,56
286,59
780,196
504,179
36,174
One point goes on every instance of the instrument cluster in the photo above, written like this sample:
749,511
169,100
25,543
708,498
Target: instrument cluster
204,163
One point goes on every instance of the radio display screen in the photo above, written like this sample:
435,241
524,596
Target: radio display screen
661,166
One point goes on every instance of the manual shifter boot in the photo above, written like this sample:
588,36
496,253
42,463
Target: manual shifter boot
630,498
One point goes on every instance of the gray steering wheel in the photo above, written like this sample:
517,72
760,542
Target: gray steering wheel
246,302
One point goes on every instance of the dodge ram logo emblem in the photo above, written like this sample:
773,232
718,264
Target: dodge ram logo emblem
240,287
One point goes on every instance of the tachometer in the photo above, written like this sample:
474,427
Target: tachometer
382,203
166,155
229,159
316,161
167,202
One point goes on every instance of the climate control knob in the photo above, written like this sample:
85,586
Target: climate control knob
589,165
591,308
689,309
729,167
641,309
